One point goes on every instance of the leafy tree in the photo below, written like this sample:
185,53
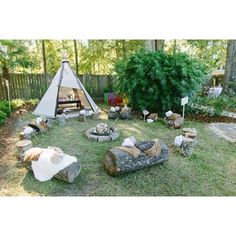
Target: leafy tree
212,53
156,80
100,55
14,55
230,75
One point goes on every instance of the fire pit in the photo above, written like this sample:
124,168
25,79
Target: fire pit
102,133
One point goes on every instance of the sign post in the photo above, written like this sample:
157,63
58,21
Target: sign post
184,101
8,94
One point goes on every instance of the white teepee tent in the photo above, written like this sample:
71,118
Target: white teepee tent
65,84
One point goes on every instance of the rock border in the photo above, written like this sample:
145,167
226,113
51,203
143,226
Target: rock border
101,138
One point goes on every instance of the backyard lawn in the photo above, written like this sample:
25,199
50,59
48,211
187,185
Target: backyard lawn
210,171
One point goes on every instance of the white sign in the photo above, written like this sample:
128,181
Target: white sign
184,101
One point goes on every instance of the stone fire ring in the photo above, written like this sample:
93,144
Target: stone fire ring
101,138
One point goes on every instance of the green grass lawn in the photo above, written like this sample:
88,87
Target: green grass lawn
210,171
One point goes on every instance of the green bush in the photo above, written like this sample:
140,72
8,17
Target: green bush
4,107
212,106
3,117
157,81
17,103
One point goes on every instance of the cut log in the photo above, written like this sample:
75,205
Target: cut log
95,116
61,120
22,135
82,118
118,161
187,146
68,174
21,147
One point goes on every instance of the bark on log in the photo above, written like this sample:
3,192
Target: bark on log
118,161
187,146
68,174
21,147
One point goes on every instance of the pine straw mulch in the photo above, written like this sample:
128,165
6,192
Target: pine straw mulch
8,160
212,119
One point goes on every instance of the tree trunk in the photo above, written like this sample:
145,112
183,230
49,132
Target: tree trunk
118,161
123,48
44,58
174,46
230,71
154,45
159,45
150,45
76,58
5,73
6,76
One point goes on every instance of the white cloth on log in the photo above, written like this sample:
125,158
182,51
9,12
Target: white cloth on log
178,140
44,169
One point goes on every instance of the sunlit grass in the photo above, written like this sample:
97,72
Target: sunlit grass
210,170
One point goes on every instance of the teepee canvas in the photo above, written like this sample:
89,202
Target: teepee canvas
65,88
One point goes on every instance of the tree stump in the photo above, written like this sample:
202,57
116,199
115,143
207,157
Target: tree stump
187,146
118,161
22,146
82,118
22,135
68,174
113,114
50,123
61,120
95,116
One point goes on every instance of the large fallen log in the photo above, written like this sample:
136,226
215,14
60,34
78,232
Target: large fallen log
118,161
68,174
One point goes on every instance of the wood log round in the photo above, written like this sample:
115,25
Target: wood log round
61,120
21,147
22,135
118,161
68,174
187,146
82,118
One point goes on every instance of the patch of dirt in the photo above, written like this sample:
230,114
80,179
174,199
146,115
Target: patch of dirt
8,139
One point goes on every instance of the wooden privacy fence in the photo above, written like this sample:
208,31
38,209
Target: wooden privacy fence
32,86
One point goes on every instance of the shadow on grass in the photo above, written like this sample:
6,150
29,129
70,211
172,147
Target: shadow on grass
47,188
